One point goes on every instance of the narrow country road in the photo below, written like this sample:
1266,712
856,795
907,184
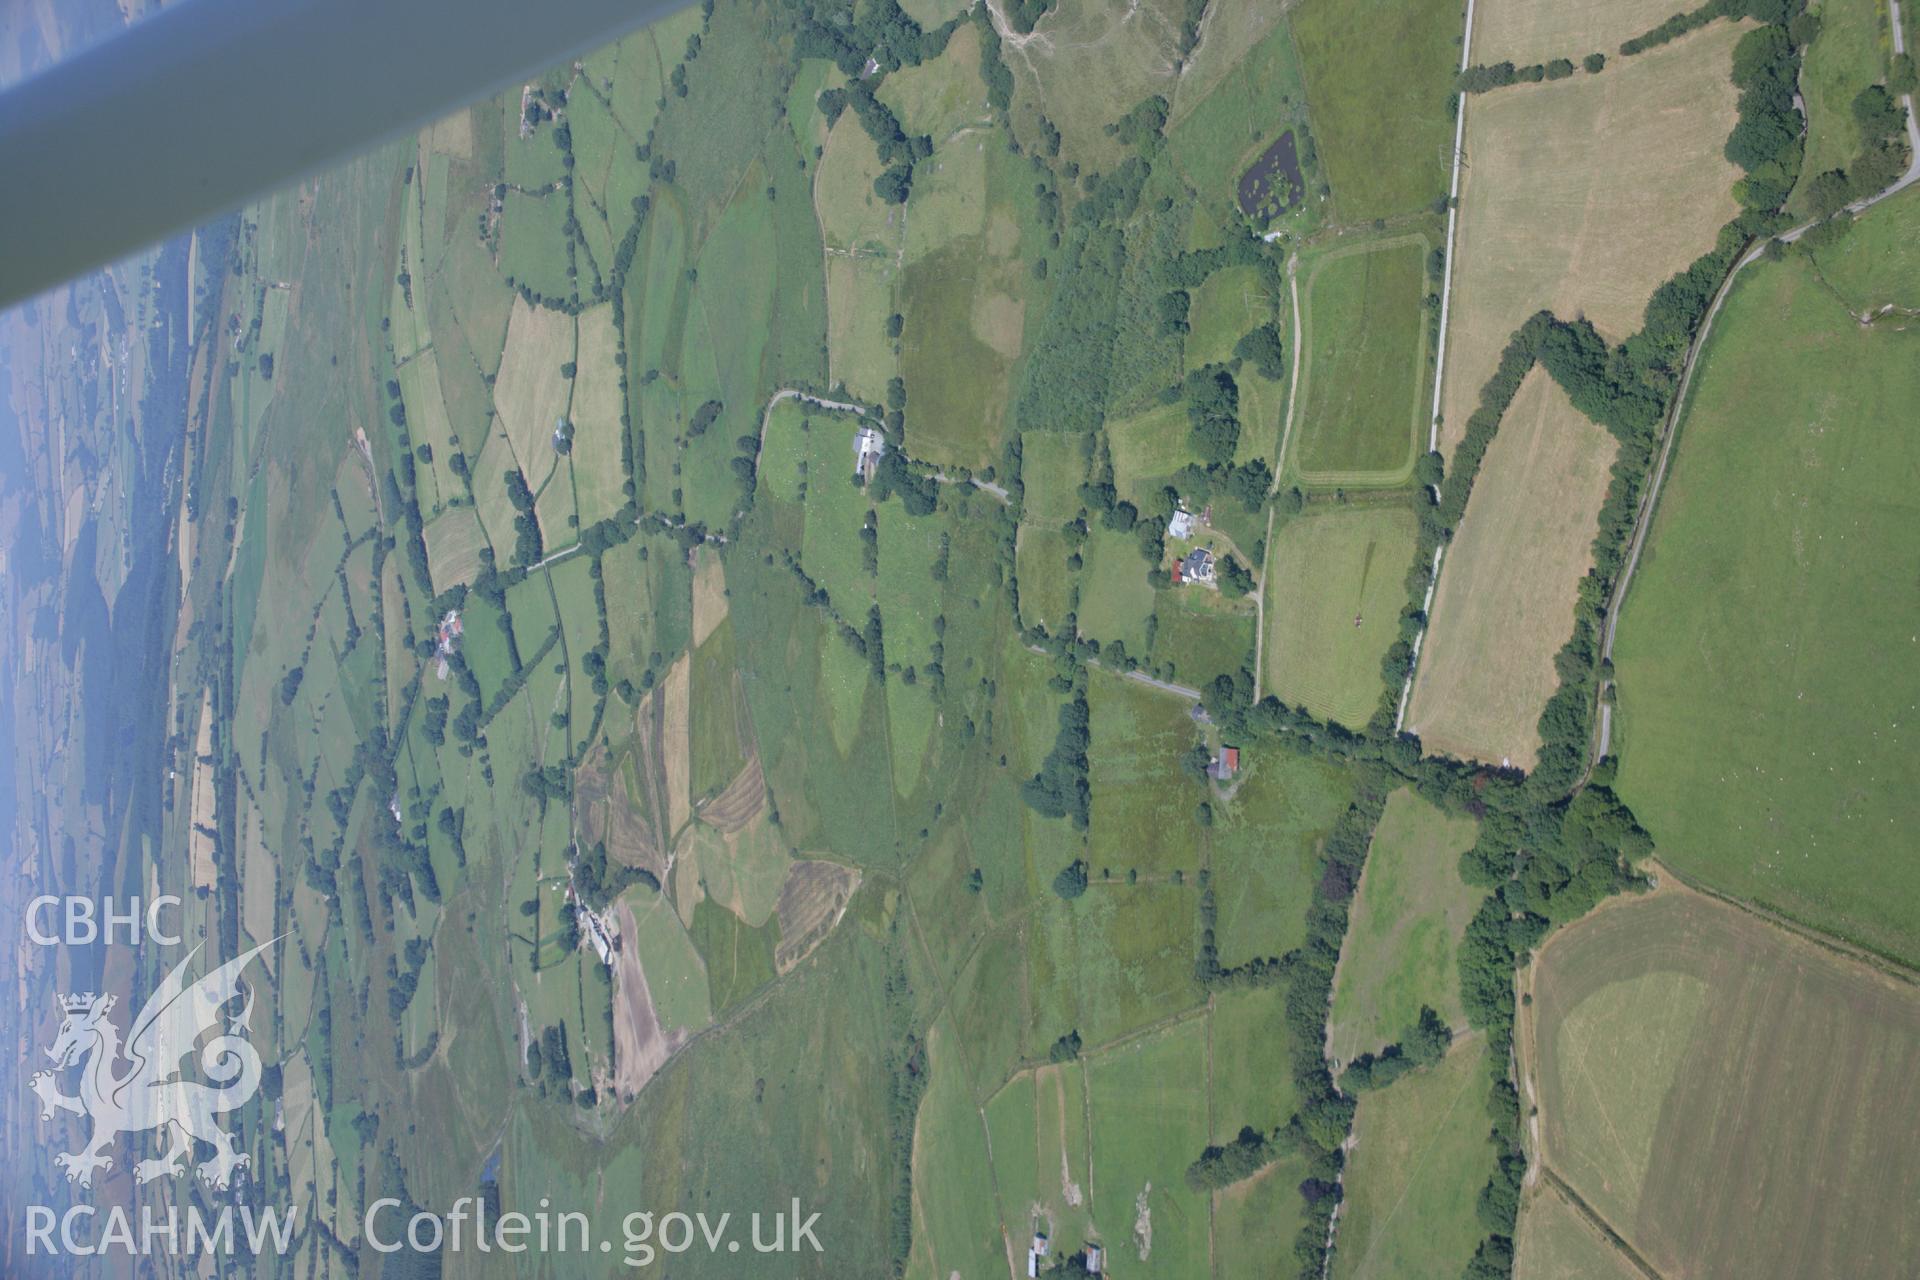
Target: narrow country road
1440,358
1643,520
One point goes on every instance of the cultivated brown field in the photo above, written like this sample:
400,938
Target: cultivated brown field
1505,601
1730,1098
1583,196
641,1045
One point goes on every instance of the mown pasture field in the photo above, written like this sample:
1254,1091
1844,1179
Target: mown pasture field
531,394
1728,1096
1555,1242
1408,917
1764,661
1378,74
1504,604
1583,196
1335,584
1420,1157
1365,370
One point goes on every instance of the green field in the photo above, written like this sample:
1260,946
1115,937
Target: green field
1700,1072
1142,802
1408,917
1149,1103
1242,113
1843,59
1052,468
1335,584
1420,1157
1378,75
1115,599
1365,369
1762,711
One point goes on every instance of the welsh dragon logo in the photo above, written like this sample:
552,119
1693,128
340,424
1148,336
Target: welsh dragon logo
150,1094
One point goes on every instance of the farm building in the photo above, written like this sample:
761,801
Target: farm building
1225,765
869,446
1096,1259
1180,524
1196,567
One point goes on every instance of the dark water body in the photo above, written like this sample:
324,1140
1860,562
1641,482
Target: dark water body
1274,183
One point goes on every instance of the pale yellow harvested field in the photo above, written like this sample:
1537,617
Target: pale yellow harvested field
1583,197
598,471
1528,31
1507,586
452,135
709,593
454,541
530,394
199,842
677,762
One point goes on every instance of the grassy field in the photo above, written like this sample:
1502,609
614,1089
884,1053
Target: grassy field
1148,449
1528,31
1142,808
1584,196
1149,1102
1722,1092
1335,584
964,314
1365,370
1420,1156
1878,263
1046,586
1764,682
1408,917
1378,75
1052,468
1092,61
1115,599
598,473
1845,58
1505,601
1231,104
